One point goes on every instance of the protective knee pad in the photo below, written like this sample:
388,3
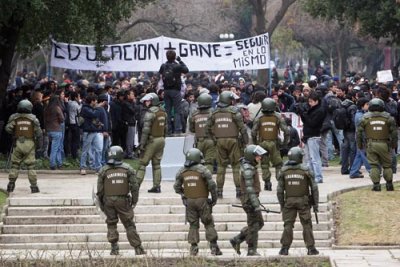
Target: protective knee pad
388,174
112,234
375,174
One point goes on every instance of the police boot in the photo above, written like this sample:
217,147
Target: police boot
139,250
194,250
284,251
376,187
238,193
10,187
219,193
389,186
155,189
215,249
312,251
253,252
235,244
34,189
114,249
268,186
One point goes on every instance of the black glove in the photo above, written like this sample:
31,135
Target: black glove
212,202
178,58
130,199
315,208
184,201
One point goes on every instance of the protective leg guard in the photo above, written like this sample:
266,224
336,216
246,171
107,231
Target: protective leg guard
10,187
139,250
34,189
114,249
376,187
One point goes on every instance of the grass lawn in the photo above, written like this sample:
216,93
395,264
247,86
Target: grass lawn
363,217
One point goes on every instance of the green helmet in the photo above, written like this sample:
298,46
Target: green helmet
24,106
376,104
194,156
225,99
251,151
204,101
115,155
155,101
296,154
268,105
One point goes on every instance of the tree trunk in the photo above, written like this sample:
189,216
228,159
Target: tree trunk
260,8
7,50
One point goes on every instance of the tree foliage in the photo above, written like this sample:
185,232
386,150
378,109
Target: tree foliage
83,21
370,17
25,24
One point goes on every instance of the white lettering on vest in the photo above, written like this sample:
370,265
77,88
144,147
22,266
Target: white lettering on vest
117,174
378,122
24,123
294,176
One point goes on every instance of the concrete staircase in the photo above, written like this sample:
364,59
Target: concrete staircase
74,224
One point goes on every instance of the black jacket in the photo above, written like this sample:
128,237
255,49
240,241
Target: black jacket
312,121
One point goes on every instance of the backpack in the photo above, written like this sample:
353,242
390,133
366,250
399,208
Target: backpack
341,118
168,75
333,103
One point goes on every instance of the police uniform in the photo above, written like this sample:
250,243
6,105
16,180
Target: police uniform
379,129
152,144
293,192
265,132
226,127
250,188
194,182
26,130
198,125
114,184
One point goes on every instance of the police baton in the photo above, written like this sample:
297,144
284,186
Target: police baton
316,216
264,209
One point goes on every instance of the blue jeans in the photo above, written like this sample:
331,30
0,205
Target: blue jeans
62,140
92,148
106,146
339,136
173,98
56,149
359,160
348,151
314,158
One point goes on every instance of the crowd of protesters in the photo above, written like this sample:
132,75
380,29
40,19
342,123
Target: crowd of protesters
81,119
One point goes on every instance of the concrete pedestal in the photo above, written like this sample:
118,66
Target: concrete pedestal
173,158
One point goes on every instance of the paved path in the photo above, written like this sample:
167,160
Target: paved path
72,185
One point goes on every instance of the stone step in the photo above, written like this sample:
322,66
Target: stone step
266,197
139,218
145,236
140,209
150,245
145,227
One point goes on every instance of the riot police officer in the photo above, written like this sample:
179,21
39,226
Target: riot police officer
250,186
115,181
194,183
25,128
227,129
152,141
198,126
265,132
379,129
294,184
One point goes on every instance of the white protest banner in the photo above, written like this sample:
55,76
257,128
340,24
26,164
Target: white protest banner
384,76
148,55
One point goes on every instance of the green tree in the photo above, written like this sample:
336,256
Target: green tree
370,17
25,24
